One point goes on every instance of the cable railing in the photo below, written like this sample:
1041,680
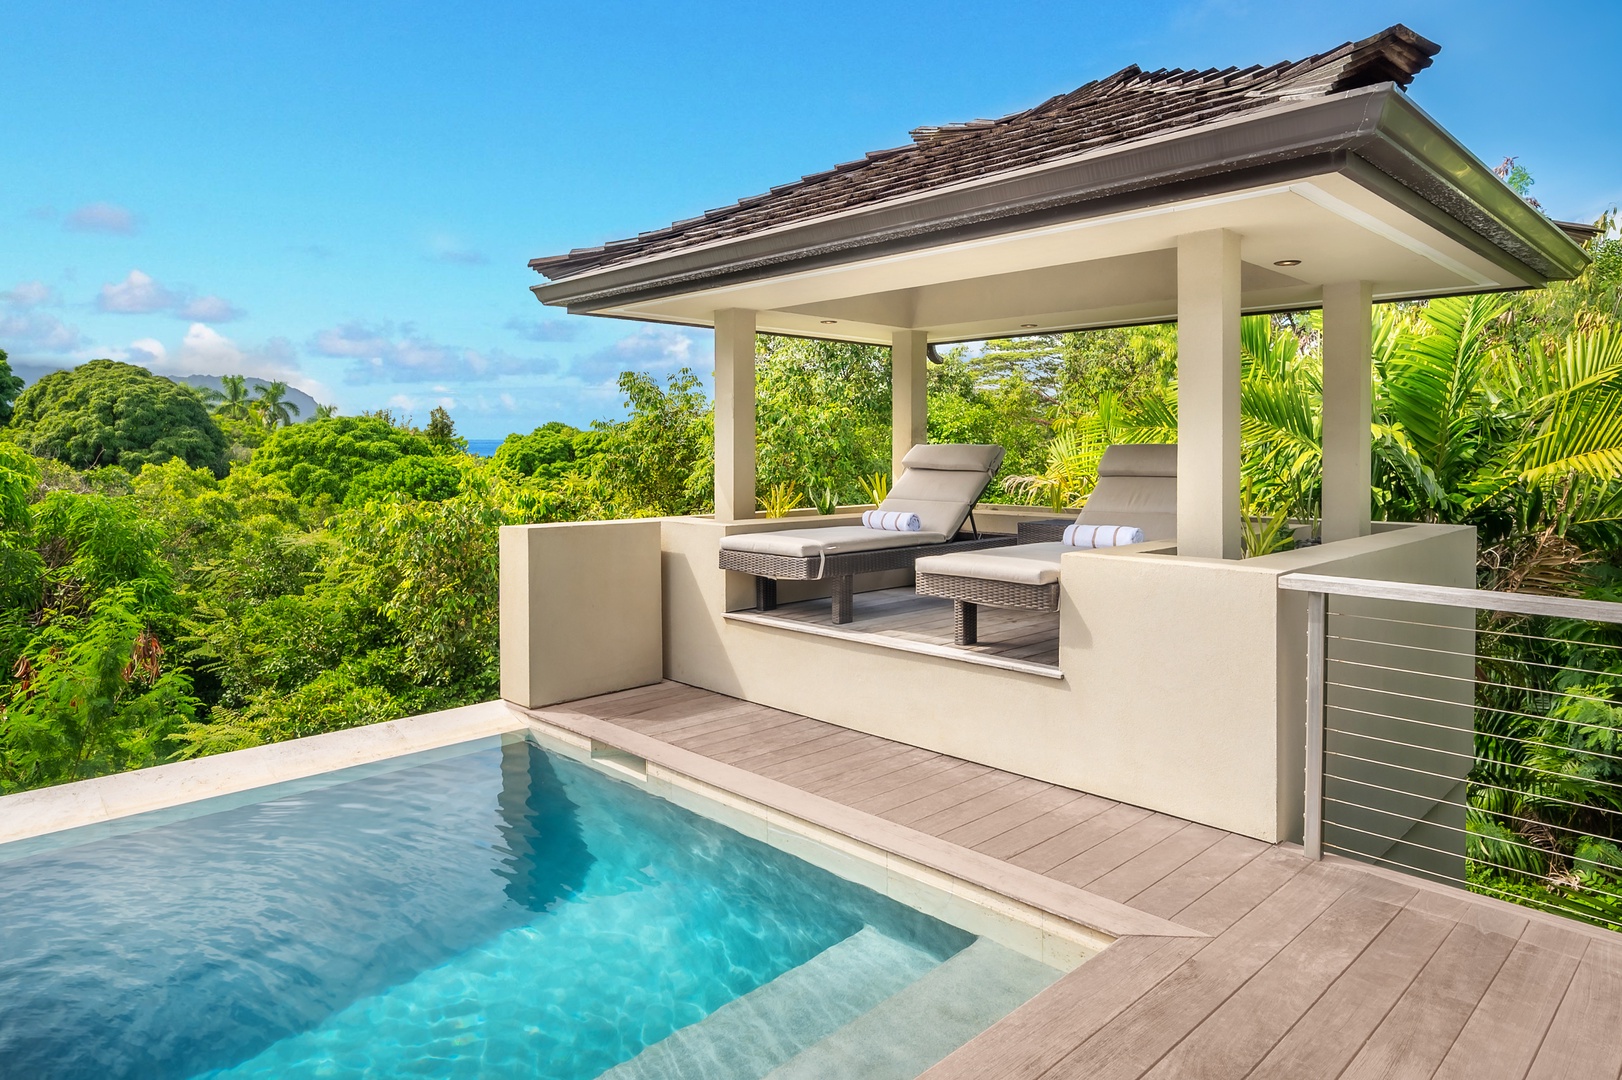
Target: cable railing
1472,738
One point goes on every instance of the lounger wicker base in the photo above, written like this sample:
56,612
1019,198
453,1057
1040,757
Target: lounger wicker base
966,593
839,570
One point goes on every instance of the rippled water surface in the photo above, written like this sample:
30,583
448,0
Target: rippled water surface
493,911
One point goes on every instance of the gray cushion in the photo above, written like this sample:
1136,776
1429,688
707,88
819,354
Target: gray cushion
955,457
838,539
941,483
1139,459
1137,485
1022,564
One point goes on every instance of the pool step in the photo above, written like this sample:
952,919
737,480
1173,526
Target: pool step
925,1021
745,1039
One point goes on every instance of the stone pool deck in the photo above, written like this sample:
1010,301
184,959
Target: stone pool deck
1232,957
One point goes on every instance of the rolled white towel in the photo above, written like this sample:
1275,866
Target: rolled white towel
1101,536
891,520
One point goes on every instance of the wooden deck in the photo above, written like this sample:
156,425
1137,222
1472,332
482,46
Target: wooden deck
1289,968
902,616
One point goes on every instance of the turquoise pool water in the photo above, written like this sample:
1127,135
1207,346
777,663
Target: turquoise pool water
490,911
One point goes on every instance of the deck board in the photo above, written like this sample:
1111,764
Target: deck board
1326,969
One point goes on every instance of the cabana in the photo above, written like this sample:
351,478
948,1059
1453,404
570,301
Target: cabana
1145,196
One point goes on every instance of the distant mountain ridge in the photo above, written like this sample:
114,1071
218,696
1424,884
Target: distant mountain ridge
306,403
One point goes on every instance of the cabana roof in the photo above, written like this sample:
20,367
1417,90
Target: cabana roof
1330,130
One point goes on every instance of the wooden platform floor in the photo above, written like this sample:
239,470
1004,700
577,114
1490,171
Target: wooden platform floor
1305,970
901,613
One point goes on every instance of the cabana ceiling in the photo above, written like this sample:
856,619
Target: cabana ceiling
1325,161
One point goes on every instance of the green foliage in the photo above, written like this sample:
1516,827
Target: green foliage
231,401
427,478
658,460
822,414
550,452
823,498
441,431
9,387
875,488
109,413
270,405
779,499
323,457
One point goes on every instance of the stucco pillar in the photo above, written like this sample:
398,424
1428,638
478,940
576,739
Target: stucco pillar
909,402
1348,443
734,415
1208,395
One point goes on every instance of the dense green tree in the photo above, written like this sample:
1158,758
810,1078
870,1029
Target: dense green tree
822,414
548,453
428,478
9,387
441,431
322,457
657,460
110,413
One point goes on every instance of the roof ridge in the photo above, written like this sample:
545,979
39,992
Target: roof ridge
1128,104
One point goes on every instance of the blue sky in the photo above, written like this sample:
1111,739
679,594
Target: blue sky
346,195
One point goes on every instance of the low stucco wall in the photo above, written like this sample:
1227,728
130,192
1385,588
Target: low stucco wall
580,609
1184,679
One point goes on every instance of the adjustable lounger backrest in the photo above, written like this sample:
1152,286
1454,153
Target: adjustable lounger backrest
941,482
1137,485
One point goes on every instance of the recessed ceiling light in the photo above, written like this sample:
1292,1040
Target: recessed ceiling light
1027,326
1288,262
829,322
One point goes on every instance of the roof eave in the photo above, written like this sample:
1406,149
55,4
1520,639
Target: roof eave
1379,125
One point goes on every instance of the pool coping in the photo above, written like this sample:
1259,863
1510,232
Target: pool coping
100,799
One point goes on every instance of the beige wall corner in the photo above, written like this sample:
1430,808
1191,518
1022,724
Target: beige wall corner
581,610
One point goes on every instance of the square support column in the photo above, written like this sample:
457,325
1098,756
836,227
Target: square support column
1348,441
1208,395
734,415
909,401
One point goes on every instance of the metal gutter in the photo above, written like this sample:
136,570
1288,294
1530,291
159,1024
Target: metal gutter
1375,125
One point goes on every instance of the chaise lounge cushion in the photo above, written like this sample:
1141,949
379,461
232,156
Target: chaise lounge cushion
839,539
940,484
1026,564
1137,485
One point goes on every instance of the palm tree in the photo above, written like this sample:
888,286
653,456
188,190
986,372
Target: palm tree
231,400
272,409
325,412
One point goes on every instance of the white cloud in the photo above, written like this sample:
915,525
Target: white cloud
33,331
137,294
509,403
205,351
655,349
209,309
384,353
140,294
101,217
545,329
30,294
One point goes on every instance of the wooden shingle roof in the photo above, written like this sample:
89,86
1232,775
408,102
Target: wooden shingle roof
1127,106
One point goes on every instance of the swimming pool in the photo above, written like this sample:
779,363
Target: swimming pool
489,910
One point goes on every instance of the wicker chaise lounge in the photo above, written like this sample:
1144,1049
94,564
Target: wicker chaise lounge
940,483
1137,486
